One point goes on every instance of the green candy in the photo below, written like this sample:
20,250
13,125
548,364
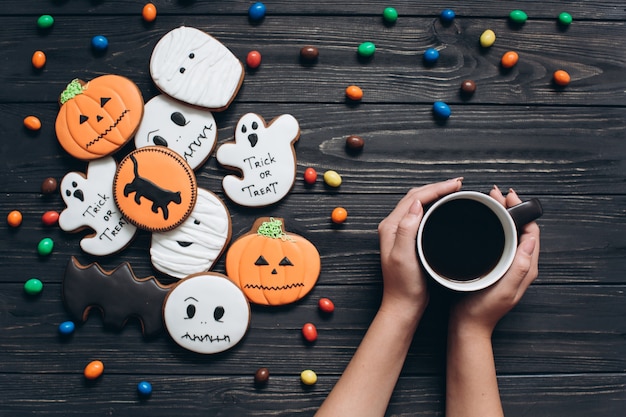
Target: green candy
390,15
33,286
367,49
45,246
45,21
518,16
565,18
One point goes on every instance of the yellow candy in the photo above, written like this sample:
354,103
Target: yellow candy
487,38
332,178
308,377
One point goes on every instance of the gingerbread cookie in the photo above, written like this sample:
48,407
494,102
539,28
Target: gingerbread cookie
197,243
155,188
97,118
189,131
194,67
271,266
206,313
118,294
90,203
265,156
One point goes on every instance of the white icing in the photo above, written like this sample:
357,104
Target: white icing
90,203
266,158
195,245
206,313
189,131
192,66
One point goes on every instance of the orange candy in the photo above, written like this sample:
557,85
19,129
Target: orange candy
38,59
14,218
339,215
509,59
354,92
32,123
93,369
561,78
149,12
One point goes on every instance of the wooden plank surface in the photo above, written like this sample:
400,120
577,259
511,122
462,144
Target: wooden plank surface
560,352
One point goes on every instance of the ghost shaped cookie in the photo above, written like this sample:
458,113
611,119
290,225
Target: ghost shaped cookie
90,204
265,156
194,67
206,313
197,243
187,130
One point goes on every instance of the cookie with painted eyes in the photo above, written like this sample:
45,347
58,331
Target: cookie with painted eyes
187,130
206,313
192,66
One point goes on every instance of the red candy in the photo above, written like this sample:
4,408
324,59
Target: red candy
309,331
310,176
50,218
326,305
253,59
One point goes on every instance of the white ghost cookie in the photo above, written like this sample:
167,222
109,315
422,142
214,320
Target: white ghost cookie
192,66
90,203
265,156
206,313
197,243
187,130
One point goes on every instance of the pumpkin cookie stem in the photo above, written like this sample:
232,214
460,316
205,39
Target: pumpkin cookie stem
273,229
74,88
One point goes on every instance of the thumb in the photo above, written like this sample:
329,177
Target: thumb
521,264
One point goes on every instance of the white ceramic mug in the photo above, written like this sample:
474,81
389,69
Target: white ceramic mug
464,227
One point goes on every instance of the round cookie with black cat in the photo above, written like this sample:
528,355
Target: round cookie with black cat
155,189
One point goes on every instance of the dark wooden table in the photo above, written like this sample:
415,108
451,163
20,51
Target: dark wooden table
561,352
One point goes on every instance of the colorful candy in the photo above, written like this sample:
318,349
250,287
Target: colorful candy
32,123
310,175
441,110
144,388
308,377
468,87
355,143
509,59
261,376
253,60
487,38
50,218
149,12
354,93
256,11
99,43
561,78
447,16
309,53
518,16
565,18
332,178
431,55
309,331
326,305
366,49
339,215
45,21
14,218
38,59
93,370
390,15
49,185
45,246
33,286
67,328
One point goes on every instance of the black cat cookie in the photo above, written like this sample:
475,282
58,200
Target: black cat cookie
155,189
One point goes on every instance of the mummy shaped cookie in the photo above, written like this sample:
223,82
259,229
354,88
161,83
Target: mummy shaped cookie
197,243
206,313
266,158
187,130
192,66
90,204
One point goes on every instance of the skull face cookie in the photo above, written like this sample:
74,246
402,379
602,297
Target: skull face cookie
194,67
265,155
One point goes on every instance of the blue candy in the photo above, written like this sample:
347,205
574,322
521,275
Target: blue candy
431,55
256,11
447,15
67,327
144,388
441,110
99,43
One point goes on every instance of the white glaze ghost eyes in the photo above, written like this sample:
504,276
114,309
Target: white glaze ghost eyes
206,313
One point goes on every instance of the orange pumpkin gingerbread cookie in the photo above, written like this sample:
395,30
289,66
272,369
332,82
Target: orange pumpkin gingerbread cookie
271,266
97,118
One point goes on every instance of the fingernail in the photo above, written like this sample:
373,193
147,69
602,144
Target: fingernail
495,188
459,179
512,191
528,246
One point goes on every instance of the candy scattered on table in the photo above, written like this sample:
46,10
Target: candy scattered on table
431,55
32,123
339,215
509,59
390,15
144,388
50,218
261,376
39,59
308,377
33,286
45,246
447,16
49,185
561,78
67,328
45,21
253,60
309,53
326,305
565,18
99,43
309,331
487,38
93,370
518,16
366,49
149,12
355,143
332,178
14,218
256,12
441,110
468,87
310,175
354,93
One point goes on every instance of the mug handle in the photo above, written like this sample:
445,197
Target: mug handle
525,212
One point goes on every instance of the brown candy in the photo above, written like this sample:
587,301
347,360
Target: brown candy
261,376
354,142
468,86
49,185
309,53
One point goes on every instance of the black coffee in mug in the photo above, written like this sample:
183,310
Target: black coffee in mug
463,240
